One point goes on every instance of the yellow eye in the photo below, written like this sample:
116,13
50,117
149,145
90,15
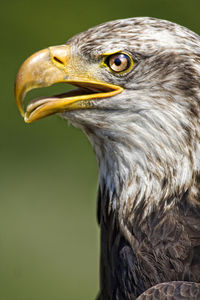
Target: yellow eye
119,62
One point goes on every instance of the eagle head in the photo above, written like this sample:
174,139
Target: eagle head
137,100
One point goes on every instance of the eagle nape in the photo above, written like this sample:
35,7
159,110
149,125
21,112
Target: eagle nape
137,99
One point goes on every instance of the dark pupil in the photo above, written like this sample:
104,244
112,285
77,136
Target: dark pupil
118,61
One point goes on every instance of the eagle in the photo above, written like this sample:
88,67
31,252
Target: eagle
137,99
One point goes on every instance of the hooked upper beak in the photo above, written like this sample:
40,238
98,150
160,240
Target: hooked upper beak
50,66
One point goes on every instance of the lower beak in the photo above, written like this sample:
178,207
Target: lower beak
50,66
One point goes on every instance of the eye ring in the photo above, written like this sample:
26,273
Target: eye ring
119,62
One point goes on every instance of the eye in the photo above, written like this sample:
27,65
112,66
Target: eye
119,62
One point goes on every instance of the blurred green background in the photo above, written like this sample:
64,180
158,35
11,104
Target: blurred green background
49,239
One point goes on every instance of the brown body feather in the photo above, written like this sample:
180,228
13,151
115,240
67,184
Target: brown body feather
173,290
165,248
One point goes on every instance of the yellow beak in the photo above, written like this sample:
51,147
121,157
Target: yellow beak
50,66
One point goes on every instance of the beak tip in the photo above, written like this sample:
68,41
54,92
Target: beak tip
21,109
19,99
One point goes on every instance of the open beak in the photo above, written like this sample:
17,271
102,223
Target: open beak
50,66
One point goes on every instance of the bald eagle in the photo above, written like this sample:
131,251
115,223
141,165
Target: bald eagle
138,101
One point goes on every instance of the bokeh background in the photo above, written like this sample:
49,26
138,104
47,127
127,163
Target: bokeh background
49,239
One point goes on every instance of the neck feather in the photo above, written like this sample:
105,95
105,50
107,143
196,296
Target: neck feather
136,178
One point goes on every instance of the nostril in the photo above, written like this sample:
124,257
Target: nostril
60,55
56,59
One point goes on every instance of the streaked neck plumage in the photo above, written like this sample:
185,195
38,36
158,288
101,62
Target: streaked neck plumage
143,162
